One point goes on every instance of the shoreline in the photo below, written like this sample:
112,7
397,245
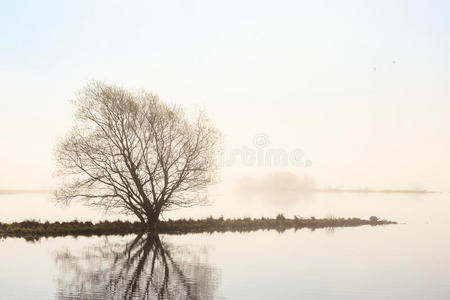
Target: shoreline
362,191
318,190
34,230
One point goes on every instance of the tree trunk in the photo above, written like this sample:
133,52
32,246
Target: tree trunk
152,222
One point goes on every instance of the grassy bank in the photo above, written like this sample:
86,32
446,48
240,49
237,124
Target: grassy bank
35,229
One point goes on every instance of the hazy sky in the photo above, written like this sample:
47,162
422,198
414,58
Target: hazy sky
298,73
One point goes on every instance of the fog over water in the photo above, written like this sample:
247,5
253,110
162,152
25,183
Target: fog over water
404,261
322,105
299,74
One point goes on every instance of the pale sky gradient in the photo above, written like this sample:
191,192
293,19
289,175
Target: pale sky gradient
300,72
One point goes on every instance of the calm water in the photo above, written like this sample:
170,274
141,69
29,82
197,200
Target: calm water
406,261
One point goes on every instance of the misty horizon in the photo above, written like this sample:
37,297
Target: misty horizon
225,149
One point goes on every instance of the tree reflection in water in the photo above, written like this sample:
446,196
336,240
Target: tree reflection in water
144,267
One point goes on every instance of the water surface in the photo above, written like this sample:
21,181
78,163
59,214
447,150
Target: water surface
405,261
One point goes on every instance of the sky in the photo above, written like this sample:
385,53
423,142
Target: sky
358,90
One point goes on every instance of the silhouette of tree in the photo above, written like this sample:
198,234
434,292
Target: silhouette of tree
131,152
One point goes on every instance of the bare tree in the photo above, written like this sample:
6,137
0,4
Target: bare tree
131,152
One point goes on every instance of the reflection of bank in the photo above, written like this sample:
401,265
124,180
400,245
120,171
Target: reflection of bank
142,268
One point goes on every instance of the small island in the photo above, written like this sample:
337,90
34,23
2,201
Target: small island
32,229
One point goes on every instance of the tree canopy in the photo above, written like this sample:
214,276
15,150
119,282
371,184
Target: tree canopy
131,152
